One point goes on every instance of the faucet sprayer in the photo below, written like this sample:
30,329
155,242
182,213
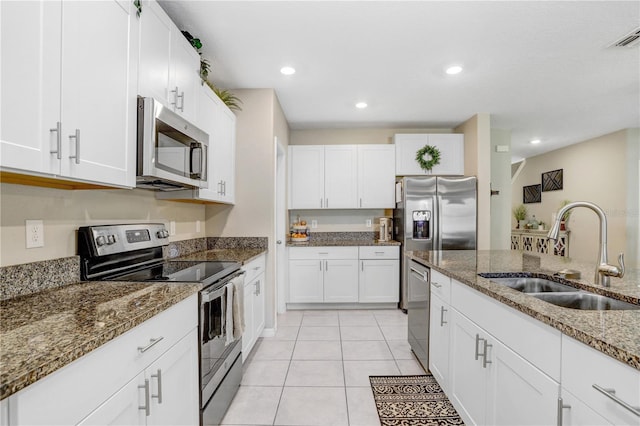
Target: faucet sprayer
603,269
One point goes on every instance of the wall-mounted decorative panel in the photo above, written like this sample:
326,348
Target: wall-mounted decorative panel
532,194
552,181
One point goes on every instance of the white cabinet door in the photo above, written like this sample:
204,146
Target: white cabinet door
183,75
450,145
169,65
248,338
253,313
123,408
376,176
518,393
341,280
379,281
219,122
30,73
258,305
439,328
306,177
340,177
305,278
98,102
468,377
155,52
174,385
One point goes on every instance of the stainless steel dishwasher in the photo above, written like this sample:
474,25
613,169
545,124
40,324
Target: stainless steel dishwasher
418,296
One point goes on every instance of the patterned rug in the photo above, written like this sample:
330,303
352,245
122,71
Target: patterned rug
412,401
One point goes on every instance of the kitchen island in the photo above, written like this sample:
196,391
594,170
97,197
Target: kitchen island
616,333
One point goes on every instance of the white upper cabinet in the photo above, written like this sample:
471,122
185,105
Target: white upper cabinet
376,176
341,176
450,145
169,65
306,177
68,101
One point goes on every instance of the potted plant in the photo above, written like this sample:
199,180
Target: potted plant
520,214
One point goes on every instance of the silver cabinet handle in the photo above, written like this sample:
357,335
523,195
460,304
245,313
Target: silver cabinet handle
146,407
485,361
58,130
77,138
257,284
175,98
561,406
181,96
610,393
360,202
362,265
436,285
326,265
152,342
321,265
422,275
159,394
220,188
379,252
320,202
326,203
484,354
442,311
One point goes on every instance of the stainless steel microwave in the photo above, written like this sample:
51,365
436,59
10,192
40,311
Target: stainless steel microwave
172,153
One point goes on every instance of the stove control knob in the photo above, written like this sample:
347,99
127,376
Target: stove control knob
101,240
163,233
111,239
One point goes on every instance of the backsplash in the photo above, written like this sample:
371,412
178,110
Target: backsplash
237,243
20,280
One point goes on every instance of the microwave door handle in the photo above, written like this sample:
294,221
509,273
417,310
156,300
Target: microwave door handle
196,161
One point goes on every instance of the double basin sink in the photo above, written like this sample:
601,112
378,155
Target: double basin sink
559,294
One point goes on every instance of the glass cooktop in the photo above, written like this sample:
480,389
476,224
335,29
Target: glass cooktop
182,271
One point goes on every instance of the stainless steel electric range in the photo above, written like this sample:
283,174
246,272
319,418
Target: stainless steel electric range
133,252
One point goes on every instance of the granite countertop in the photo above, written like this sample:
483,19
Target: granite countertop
42,332
242,255
616,333
342,243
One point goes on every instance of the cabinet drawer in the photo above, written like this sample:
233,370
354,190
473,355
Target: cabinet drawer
312,253
583,367
441,285
533,340
254,268
69,394
379,252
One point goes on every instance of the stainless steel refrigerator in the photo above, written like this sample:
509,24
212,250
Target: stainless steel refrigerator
433,213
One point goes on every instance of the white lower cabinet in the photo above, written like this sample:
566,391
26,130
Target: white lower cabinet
367,274
254,287
147,376
440,328
323,274
577,413
601,383
491,384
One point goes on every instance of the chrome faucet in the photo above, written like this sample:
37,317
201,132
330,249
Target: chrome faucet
603,269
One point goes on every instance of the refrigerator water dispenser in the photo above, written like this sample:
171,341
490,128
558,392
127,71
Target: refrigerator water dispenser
421,224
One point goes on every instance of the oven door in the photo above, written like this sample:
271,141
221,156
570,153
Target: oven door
216,356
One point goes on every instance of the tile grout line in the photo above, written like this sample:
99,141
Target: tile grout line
295,342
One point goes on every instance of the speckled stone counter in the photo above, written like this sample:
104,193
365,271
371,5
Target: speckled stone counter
616,333
241,255
42,332
342,239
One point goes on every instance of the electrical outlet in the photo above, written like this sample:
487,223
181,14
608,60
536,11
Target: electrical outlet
34,233
314,224
172,227
368,223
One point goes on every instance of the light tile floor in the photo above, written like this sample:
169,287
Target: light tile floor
315,370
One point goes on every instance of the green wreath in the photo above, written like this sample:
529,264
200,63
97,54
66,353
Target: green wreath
433,152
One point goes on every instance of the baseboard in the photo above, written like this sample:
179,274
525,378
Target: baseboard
338,306
268,332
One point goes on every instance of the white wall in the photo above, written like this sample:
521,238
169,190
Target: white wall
64,211
600,170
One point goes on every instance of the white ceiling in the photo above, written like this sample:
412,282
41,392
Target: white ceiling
542,69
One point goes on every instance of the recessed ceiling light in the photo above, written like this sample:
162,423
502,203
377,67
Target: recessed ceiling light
288,70
534,141
361,105
454,69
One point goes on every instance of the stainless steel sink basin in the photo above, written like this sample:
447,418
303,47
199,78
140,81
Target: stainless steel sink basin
533,285
585,301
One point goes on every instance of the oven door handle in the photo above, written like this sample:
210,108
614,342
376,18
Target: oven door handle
208,296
